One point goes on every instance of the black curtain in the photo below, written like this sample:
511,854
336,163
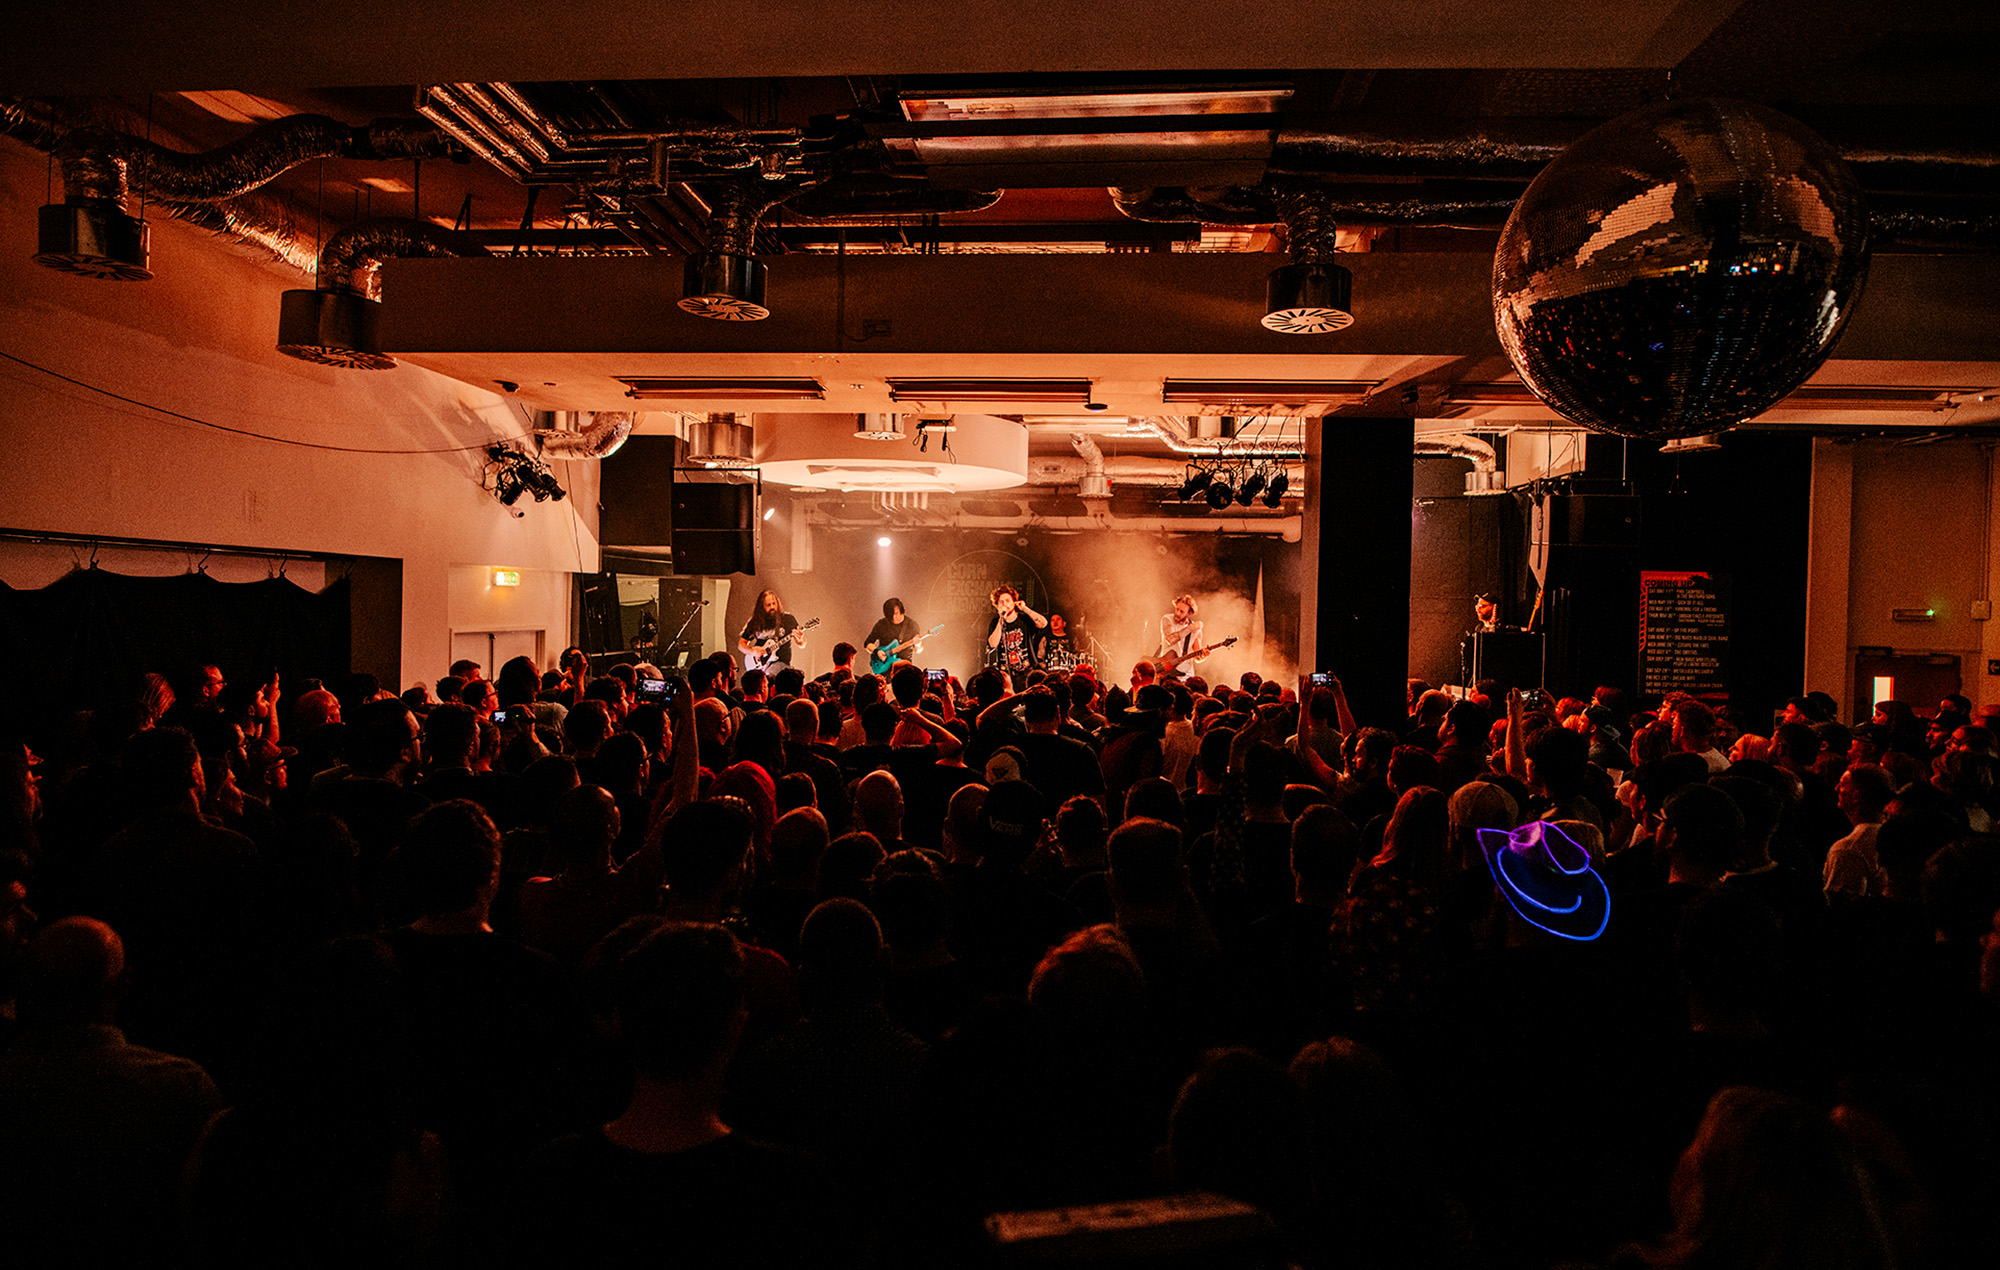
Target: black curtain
84,637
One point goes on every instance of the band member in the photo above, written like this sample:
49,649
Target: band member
1180,630
895,625
1016,634
769,621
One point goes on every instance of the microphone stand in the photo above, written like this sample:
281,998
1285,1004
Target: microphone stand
684,624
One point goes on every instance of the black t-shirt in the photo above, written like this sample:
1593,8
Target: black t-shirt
761,628
886,631
1019,650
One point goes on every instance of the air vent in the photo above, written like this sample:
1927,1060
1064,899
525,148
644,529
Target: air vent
1246,393
1060,390
697,389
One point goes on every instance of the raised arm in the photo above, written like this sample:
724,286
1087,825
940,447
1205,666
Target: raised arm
1032,616
948,745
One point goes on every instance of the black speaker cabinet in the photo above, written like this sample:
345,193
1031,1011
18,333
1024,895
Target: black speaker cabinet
1512,657
714,529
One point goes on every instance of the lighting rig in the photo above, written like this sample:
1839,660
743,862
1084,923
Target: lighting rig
515,472
1223,480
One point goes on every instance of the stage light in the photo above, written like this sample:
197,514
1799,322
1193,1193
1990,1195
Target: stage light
1273,498
883,541
1253,485
770,512
1220,495
1279,484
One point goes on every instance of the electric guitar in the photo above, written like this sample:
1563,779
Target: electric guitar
763,654
884,657
1170,664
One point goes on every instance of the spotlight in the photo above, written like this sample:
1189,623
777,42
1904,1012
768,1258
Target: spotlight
1220,495
1196,482
1279,484
1273,497
1243,497
770,512
883,541
1253,485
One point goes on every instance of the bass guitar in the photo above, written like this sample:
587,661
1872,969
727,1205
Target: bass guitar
763,654
884,657
1170,664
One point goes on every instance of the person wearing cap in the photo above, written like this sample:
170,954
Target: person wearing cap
1605,736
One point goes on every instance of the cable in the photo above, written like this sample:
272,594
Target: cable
245,432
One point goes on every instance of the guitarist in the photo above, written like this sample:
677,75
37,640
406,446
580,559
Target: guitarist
1180,631
896,627
769,621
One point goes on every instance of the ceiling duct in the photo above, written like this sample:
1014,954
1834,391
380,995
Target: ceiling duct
718,440
599,439
1312,295
90,232
726,282
335,323
1093,484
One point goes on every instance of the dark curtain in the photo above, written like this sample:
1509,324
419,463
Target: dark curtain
87,635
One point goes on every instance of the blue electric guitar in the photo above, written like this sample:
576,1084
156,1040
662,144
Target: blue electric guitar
884,657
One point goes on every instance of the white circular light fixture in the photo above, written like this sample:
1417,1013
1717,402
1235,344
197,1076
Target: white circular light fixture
824,451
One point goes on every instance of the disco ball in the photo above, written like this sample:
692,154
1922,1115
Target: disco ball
1680,268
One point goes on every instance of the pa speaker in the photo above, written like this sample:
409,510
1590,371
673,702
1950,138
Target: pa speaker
714,528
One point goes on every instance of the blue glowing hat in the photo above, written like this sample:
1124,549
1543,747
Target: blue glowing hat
1546,875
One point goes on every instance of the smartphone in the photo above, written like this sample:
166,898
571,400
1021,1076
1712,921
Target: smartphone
1321,678
502,717
651,690
936,678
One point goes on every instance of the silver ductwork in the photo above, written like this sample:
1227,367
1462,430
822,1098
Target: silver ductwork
352,259
1484,457
720,440
598,439
104,163
336,322
1210,436
1092,483
1124,469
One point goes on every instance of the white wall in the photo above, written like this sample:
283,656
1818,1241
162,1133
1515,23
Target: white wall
1898,527
199,339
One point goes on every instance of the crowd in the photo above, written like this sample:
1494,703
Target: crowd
773,972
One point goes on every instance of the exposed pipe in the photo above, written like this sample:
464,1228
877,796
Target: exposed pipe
1093,483
599,439
1174,432
103,162
1483,456
1130,469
